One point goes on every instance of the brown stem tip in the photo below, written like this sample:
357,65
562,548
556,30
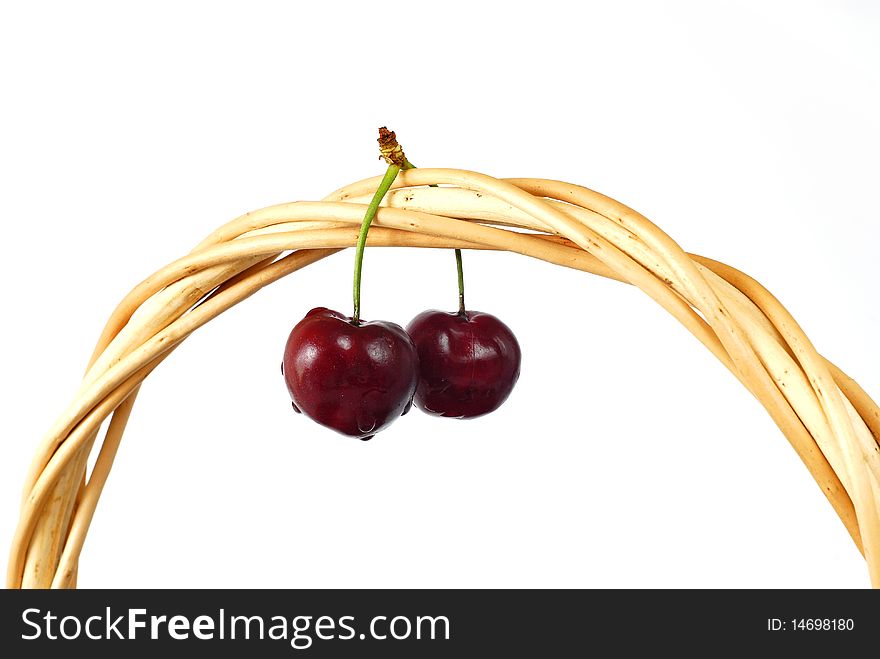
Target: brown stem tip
389,149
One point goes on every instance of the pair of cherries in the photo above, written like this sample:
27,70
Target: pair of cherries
358,377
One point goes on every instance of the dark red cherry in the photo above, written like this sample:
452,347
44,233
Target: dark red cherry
468,362
355,379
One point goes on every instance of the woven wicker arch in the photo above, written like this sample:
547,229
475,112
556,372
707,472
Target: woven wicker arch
832,424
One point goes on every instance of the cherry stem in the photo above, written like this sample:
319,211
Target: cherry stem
461,308
381,191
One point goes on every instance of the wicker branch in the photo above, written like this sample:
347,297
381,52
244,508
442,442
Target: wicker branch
830,421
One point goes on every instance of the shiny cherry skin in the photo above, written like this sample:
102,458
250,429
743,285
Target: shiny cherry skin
469,362
353,378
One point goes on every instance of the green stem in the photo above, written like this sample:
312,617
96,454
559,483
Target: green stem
381,191
461,309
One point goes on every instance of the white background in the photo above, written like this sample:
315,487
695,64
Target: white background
626,456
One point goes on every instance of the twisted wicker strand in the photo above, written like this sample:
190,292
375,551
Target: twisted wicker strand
733,316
